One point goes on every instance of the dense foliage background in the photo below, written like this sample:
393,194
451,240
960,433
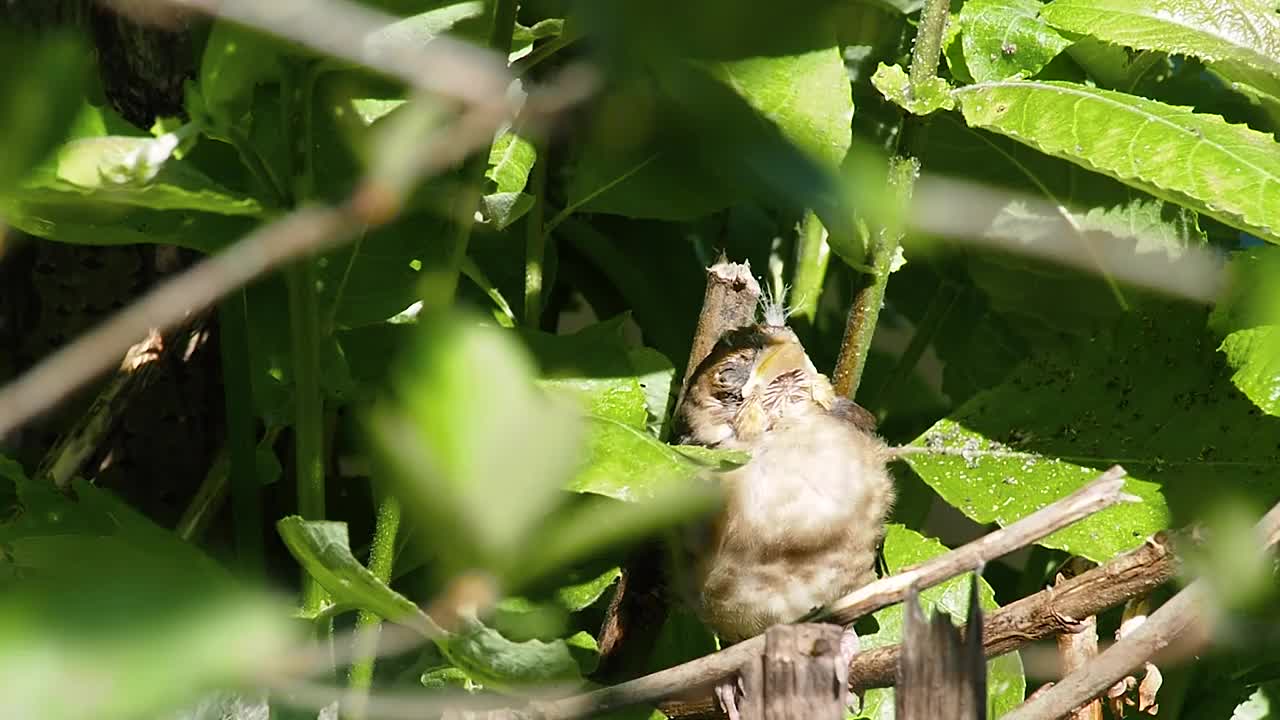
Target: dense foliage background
465,409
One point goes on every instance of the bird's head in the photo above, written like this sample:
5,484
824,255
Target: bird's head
754,377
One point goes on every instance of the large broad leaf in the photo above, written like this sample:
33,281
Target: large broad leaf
1118,397
40,102
1103,212
492,660
1006,38
903,548
1255,355
1201,161
1240,37
323,549
703,134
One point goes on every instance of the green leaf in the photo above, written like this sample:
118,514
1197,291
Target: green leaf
770,126
1255,355
1006,38
510,160
903,547
466,18
657,379
1241,38
324,551
893,83
236,60
40,102
1142,143
1043,433
478,451
503,208
627,463
153,598
494,661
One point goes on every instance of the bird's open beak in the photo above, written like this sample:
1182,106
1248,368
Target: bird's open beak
775,359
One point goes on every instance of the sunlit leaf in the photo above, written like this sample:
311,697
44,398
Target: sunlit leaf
903,547
893,83
494,661
1068,413
1241,38
1007,38
324,551
1142,143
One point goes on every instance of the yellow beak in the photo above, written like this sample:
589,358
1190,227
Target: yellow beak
775,360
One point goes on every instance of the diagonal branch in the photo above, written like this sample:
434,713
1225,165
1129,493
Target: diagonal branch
1184,612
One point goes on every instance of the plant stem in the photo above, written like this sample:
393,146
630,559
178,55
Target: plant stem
381,560
535,247
304,326
812,256
237,388
928,47
308,425
865,312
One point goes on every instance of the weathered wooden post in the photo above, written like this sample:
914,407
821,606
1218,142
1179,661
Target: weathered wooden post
796,677
942,674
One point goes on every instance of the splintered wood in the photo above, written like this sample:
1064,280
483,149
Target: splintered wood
941,672
796,678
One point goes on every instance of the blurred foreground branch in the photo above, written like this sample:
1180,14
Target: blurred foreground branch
375,201
1182,619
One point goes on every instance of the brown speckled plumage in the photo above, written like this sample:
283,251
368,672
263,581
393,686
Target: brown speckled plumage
803,518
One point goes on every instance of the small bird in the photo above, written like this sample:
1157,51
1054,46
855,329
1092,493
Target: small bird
803,518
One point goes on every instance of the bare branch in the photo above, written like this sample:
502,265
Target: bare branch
1182,612
1103,492
730,302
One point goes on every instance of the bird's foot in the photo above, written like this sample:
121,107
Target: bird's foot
728,691
850,646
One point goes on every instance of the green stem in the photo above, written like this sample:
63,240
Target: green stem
237,388
928,47
381,560
535,246
812,256
308,425
304,325
865,312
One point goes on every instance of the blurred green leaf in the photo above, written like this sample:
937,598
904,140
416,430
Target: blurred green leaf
503,208
153,598
494,661
465,18
678,148
510,160
1043,433
1140,142
40,102
236,60
324,551
463,391
1241,38
1006,38
1006,685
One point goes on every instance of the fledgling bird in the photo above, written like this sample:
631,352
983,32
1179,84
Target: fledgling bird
803,518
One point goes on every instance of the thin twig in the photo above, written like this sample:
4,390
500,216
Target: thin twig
1106,490
1181,613
1077,649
